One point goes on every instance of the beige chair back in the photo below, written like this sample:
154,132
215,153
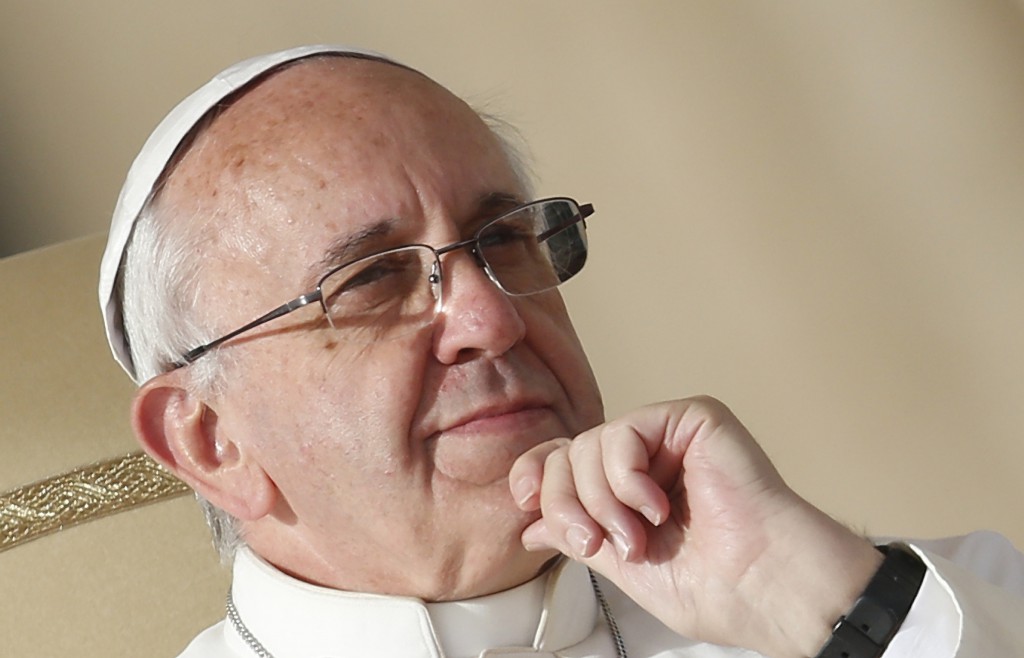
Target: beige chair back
102,553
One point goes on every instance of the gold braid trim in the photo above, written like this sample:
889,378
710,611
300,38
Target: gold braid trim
84,494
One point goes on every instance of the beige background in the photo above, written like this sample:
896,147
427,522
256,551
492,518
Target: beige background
812,210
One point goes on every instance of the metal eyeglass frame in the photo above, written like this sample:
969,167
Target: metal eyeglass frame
472,245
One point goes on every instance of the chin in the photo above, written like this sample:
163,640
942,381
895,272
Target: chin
499,569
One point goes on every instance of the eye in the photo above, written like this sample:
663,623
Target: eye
373,284
374,272
507,233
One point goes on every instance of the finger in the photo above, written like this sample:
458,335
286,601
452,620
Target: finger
568,523
618,522
537,537
626,463
524,478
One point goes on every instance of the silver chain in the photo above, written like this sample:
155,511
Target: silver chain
243,630
261,651
620,646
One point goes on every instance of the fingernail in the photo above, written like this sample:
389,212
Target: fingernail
534,537
534,545
523,490
651,515
578,539
621,545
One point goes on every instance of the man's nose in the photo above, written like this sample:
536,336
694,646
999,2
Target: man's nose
477,318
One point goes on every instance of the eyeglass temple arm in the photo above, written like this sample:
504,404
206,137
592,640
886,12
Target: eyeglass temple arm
586,210
284,309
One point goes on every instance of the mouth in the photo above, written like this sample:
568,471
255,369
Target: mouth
480,447
503,423
503,417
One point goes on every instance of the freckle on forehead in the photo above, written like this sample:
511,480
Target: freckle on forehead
278,119
319,143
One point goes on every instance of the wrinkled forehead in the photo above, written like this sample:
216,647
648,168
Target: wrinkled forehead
329,123
318,155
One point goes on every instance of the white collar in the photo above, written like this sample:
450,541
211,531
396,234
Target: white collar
293,619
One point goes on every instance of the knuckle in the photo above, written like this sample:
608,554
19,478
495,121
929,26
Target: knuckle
555,457
578,447
620,479
711,408
617,433
558,445
592,503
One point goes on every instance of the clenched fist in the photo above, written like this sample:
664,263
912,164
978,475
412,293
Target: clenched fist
678,506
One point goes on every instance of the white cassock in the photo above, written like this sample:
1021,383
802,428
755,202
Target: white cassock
971,605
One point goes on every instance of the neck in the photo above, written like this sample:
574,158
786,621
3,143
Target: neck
455,577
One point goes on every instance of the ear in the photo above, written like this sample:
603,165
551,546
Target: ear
182,433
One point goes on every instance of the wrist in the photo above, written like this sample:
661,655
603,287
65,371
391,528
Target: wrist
821,577
840,579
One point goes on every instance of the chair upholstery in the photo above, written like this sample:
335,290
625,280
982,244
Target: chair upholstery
101,552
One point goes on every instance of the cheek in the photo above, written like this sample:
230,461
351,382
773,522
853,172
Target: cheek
340,409
551,336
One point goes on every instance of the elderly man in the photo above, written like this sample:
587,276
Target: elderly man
405,451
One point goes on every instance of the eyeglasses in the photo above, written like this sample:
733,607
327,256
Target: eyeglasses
528,250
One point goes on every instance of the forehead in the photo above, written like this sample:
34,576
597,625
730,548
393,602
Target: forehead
329,145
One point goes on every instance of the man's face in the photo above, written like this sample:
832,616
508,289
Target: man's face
389,461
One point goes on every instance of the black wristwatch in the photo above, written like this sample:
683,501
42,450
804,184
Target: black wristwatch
867,629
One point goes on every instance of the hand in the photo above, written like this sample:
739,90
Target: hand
678,506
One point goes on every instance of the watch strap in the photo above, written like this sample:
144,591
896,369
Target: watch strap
866,630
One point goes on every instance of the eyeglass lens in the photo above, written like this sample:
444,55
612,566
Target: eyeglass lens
532,249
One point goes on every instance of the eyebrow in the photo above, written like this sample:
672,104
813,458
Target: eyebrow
349,247
346,248
494,204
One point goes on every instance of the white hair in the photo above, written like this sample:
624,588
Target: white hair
165,310
161,289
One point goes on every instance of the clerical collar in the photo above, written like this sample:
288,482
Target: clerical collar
293,619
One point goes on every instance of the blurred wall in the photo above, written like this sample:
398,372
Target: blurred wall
814,211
